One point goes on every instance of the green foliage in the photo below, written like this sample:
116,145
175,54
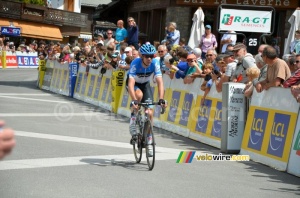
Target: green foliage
36,2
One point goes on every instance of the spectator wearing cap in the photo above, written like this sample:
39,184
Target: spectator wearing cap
132,33
228,58
194,68
22,47
162,52
121,34
100,38
207,41
228,38
245,61
295,45
128,51
172,34
110,40
277,72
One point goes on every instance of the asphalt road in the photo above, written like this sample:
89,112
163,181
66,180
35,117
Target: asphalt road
67,148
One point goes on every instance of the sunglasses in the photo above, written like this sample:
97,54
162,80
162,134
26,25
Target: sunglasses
126,52
130,20
190,60
109,33
208,55
297,61
160,51
148,56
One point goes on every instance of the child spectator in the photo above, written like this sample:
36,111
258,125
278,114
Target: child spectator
252,73
208,68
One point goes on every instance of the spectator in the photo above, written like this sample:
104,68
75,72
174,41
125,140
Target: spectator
228,58
277,72
197,51
263,69
295,45
295,89
172,34
229,47
291,62
132,33
252,73
182,44
135,54
7,140
162,52
110,40
228,38
100,38
121,34
128,51
211,56
193,68
274,44
206,85
169,64
207,41
245,61
295,78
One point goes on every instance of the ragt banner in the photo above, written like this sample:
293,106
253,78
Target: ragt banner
245,20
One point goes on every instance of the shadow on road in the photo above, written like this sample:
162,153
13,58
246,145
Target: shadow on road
131,165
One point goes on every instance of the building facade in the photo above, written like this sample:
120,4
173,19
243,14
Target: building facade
153,15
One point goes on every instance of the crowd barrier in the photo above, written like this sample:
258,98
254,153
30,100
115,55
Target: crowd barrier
270,127
19,59
269,136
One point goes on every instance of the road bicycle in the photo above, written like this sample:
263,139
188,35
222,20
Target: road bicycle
144,128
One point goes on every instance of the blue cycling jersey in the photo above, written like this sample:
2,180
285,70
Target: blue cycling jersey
142,74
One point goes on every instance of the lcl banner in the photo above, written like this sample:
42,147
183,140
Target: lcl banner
245,20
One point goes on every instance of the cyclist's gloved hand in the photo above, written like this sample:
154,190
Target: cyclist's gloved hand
161,102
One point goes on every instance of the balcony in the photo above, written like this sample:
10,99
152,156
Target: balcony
29,12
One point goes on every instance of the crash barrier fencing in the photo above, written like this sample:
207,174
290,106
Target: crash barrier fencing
269,132
18,59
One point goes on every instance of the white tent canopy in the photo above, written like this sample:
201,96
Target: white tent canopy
295,25
197,29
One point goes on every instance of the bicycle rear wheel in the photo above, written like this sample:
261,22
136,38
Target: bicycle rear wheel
137,148
148,130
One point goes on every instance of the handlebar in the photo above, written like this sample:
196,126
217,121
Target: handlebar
147,104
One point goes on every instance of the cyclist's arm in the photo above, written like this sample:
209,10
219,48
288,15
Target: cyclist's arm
160,85
131,92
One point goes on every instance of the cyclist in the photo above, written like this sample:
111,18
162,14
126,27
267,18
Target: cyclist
139,85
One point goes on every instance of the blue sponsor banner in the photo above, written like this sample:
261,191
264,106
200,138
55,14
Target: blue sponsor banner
98,85
91,86
84,82
203,116
105,91
125,98
217,124
27,61
278,134
258,128
73,69
10,31
186,108
174,106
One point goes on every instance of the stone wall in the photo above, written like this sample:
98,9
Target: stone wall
183,18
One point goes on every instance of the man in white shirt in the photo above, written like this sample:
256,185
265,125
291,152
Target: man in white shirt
229,38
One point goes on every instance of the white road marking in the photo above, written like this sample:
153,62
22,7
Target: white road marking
161,154
88,141
23,94
41,100
81,160
46,114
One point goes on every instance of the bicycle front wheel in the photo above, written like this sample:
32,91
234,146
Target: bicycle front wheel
150,145
137,149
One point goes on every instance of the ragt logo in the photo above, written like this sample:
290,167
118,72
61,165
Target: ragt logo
229,20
